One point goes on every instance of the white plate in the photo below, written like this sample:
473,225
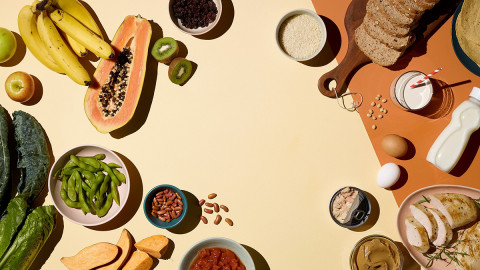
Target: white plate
76,215
404,212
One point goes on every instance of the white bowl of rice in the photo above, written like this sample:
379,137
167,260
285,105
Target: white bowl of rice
301,34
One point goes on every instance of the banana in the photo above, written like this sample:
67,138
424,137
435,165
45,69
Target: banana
79,12
77,48
60,50
82,34
27,27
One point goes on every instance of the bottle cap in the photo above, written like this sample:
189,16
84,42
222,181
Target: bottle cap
475,93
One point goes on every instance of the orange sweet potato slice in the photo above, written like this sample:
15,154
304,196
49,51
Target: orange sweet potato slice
138,261
125,243
91,257
153,245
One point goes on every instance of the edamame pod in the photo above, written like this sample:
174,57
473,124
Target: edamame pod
119,175
83,203
114,192
86,187
69,164
90,177
99,156
114,165
64,183
105,185
104,210
68,171
67,201
72,194
110,172
90,161
81,164
99,198
96,185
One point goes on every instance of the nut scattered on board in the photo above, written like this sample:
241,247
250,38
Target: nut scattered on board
373,104
380,116
212,196
384,100
209,204
208,211
204,219
217,220
370,111
224,208
379,105
201,202
369,115
216,208
229,221
374,126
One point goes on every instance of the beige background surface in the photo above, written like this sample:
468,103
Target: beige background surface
250,125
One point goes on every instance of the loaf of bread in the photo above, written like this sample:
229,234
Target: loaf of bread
386,30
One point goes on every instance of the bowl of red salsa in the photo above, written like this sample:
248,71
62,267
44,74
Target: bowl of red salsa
217,253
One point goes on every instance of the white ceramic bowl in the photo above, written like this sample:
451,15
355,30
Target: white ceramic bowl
321,24
76,215
200,30
220,242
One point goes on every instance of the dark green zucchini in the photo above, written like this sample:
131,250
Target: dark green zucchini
33,156
10,224
4,160
30,240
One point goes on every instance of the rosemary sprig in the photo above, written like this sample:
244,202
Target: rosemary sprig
477,202
450,252
425,199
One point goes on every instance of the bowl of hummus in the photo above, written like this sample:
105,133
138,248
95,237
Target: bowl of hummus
376,252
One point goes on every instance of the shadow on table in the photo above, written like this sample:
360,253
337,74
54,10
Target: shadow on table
258,259
37,94
331,48
50,245
402,180
133,203
225,22
373,217
468,155
192,217
408,262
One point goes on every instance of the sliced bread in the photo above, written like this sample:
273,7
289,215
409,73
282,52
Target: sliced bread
416,15
412,5
425,4
417,235
459,209
444,232
378,52
383,21
374,30
397,17
428,221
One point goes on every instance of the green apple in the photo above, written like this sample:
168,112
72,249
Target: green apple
20,86
8,45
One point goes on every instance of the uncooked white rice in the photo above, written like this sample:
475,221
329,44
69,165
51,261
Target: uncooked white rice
300,36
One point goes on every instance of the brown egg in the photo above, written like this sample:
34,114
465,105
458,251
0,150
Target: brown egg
394,145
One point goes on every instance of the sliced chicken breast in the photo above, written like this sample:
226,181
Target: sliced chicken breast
428,221
417,235
457,208
444,233
471,246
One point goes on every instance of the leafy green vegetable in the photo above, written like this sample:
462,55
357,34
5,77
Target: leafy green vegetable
4,160
33,156
30,240
9,226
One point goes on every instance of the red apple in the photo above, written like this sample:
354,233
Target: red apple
20,86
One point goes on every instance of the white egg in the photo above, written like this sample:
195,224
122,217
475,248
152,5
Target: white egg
388,175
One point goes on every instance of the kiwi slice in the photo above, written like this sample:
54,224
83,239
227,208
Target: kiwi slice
180,70
165,49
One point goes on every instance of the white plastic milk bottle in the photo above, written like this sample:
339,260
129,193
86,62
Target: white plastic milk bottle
449,146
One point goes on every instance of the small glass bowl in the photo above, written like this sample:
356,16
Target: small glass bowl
370,237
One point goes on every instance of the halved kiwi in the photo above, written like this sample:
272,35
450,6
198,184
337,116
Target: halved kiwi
180,70
165,49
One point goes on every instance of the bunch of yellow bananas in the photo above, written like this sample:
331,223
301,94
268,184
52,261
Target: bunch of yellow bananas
57,32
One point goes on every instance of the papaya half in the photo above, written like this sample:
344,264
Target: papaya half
111,100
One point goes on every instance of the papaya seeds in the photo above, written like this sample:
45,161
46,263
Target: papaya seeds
165,49
180,70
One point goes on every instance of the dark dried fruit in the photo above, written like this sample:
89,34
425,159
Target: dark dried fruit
195,13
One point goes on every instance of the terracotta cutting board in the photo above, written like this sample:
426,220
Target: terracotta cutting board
421,129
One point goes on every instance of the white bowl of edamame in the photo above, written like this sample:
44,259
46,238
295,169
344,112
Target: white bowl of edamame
89,185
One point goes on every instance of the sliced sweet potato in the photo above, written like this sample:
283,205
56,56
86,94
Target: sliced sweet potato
125,243
138,261
153,245
91,257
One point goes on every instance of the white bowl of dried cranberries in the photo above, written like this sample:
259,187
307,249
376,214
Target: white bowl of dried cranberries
195,17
